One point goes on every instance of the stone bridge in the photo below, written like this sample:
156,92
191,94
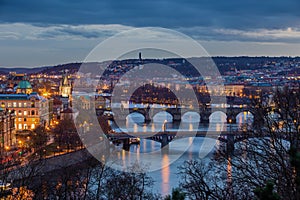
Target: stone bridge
177,113
227,137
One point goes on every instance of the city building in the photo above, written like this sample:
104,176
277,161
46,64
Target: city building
7,130
30,109
14,78
65,91
234,89
24,87
65,87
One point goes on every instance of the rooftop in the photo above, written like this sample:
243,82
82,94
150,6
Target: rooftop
24,85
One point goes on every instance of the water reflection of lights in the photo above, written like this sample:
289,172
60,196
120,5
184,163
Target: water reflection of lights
165,173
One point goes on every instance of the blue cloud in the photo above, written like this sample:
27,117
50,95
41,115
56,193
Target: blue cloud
235,14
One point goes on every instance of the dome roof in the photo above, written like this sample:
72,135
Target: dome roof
24,85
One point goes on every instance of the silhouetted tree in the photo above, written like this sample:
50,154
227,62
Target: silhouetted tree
133,184
268,153
177,194
266,193
39,140
39,137
66,134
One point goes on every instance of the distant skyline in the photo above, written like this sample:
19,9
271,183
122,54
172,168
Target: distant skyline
41,33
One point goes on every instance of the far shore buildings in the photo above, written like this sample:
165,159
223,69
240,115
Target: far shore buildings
30,108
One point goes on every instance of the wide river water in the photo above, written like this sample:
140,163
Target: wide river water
163,166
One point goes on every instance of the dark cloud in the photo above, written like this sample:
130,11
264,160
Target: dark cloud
73,31
236,14
43,32
287,35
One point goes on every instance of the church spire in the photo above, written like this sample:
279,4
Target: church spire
65,85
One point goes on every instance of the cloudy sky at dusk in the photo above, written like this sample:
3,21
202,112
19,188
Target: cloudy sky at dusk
38,33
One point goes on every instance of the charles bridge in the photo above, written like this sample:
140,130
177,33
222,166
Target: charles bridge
177,112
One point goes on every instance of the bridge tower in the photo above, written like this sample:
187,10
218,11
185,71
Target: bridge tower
126,144
147,114
204,115
164,140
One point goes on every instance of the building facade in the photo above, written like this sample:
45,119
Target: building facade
7,130
24,87
65,87
31,110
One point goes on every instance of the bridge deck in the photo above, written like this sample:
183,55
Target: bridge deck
213,134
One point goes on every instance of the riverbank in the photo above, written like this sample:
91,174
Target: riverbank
46,165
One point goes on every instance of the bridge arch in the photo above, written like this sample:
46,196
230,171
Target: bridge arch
245,117
218,117
191,117
162,116
135,117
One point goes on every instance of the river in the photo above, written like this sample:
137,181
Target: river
164,166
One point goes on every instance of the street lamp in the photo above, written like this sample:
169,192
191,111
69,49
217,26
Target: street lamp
230,121
57,147
44,152
20,143
164,125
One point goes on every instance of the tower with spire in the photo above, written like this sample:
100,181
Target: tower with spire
65,86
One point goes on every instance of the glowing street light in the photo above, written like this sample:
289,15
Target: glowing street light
164,125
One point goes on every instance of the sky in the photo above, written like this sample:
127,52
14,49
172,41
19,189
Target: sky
42,33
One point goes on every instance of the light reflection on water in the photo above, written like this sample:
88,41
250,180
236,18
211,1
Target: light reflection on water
166,176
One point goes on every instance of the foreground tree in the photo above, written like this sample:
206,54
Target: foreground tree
268,153
177,194
66,135
267,193
39,138
133,184
200,180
